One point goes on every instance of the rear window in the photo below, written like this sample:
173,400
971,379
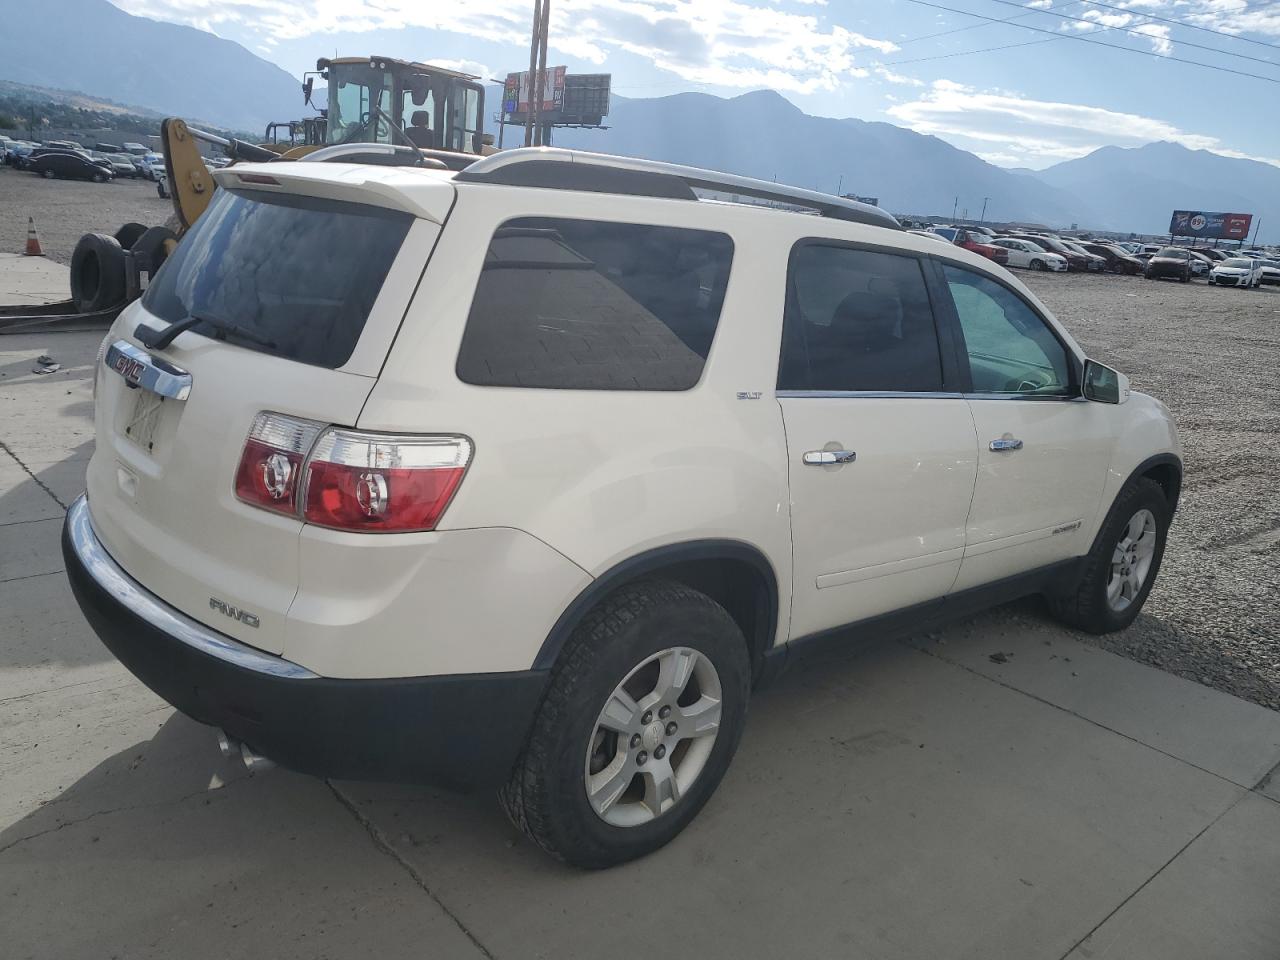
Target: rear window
589,305
299,272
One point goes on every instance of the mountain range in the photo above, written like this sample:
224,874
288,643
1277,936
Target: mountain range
182,71
96,48
761,134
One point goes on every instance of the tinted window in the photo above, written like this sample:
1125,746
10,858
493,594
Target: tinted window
1174,253
857,320
1010,348
300,272
589,305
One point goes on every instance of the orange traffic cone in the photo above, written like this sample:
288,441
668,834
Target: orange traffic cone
33,239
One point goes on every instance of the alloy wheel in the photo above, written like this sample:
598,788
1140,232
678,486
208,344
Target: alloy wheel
1131,560
653,737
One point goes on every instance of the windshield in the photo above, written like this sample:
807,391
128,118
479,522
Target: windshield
1173,252
1237,262
354,90
299,272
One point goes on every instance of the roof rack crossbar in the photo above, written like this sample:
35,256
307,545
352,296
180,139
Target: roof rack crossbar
510,167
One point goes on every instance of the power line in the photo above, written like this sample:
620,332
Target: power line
1193,26
966,53
1138,33
979,26
1099,43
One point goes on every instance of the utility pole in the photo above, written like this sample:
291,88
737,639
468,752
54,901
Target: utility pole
840,186
954,207
542,132
983,217
534,45
1257,224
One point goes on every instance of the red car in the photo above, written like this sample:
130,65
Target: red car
971,240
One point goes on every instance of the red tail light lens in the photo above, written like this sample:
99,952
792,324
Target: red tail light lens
375,483
270,470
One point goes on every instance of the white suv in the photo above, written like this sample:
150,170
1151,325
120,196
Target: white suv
526,476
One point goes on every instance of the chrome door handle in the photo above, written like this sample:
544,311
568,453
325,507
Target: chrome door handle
1006,443
822,458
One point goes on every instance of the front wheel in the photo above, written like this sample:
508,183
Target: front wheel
99,178
1037,264
47,174
642,714
1122,566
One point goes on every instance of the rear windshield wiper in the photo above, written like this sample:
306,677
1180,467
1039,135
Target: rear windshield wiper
159,339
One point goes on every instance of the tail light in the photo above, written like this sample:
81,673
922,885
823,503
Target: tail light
350,479
270,470
380,483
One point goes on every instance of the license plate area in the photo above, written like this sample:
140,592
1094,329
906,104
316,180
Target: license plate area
142,424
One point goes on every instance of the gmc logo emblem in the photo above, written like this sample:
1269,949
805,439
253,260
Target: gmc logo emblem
129,368
235,613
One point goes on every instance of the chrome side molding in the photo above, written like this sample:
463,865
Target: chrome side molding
140,369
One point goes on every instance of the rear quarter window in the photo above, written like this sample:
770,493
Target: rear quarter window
591,305
300,272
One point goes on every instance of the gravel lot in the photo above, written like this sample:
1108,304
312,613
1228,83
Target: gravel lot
66,209
1209,353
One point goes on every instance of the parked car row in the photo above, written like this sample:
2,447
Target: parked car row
65,159
1037,251
1043,251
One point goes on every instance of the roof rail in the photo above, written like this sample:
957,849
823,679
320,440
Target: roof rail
558,168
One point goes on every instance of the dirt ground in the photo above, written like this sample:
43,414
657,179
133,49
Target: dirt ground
66,209
1210,354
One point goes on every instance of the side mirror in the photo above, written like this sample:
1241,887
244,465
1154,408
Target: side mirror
306,89
1104,385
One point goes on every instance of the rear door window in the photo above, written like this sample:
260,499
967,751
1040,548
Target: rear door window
299,273
591,305
858,320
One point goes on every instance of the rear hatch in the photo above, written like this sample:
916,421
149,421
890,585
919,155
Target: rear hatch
299,297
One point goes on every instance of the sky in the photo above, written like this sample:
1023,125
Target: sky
1021,83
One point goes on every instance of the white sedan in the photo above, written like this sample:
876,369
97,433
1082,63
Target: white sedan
1237,272
1024,253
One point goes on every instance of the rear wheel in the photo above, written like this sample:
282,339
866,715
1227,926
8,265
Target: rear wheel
642,715
47,173
1122,566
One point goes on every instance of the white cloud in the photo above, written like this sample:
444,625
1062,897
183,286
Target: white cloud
884,73
728,43
1022,131
1159,36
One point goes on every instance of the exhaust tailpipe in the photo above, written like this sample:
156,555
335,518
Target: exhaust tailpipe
229,746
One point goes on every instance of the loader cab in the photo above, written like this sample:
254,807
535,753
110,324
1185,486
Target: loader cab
383,100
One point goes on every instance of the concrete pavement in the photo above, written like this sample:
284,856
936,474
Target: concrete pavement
32,280
907,800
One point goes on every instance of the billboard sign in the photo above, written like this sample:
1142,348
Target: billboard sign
1210,226
518,92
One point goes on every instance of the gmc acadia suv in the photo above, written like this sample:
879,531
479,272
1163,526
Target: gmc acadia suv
527,475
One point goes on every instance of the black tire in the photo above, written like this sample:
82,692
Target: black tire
150,250
1085,607
99,178
546,796
128,234
48,173
97,273
1037,264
